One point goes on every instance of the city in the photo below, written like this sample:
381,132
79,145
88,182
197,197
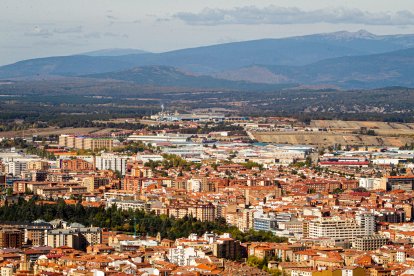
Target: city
206,138
161,202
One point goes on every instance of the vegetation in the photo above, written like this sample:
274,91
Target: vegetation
116,219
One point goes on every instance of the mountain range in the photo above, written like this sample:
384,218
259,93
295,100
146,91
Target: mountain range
341,59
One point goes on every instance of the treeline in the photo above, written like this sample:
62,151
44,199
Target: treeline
119,220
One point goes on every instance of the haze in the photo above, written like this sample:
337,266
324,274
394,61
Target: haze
30,29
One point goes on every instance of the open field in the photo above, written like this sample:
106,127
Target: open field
329,139
356,125
55,131
345,133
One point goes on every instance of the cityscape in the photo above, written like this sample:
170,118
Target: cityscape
254,138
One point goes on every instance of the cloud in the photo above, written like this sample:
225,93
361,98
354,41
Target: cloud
46,33
251,15
39,32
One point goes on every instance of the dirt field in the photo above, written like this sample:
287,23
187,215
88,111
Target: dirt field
329,139
57,131
356,125
341,132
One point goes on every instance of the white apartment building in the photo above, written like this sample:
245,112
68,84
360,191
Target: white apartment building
184,256
342,229
108,161
370,183
16,167
194,185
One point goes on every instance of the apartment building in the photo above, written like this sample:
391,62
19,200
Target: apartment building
342,229
36,233
368,243
75,237
92,183
11,238
228,248
76,165
37,165
112,162
85,143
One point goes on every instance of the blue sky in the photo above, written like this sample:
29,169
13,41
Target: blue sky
38,28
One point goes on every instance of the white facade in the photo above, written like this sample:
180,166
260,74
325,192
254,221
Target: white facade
183,256
337,228
112,162
16,167
194,184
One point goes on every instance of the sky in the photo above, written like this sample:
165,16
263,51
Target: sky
39,28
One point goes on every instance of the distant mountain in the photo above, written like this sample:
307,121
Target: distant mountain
62,66
165,76
114,52
369,71
268,57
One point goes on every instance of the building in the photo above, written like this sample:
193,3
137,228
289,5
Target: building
160,138
37,165
392,183
36,233
342,229
92,183
11,238
76,165
368,243
182,256
85,143
265,223
228,248
16,167
77,237
112,162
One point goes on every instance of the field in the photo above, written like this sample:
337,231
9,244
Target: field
55,131
344,133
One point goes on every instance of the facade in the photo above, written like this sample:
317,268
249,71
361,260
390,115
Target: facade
37,165
228,248
77,238
36,233
112,162
11,238
85,143
16,167
76,165
405,183
92,183
368,243
342,229
265,223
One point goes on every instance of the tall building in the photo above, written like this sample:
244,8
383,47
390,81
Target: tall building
228,248
16,167
112,162
36,233
11,238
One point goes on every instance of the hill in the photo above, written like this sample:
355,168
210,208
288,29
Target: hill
114,52
166,76
293,51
